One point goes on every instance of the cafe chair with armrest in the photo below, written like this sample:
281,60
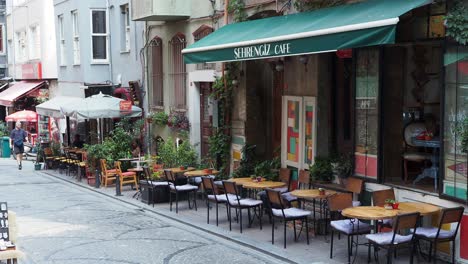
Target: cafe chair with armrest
280,210
349,227
180,189
435,235
234,201
391,241
412,154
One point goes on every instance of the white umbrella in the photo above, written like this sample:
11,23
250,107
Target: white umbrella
99,106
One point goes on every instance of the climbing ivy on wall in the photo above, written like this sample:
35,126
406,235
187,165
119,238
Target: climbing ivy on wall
309,5
237,8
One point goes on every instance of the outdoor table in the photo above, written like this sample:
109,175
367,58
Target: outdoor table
139,172
312,195
128,159
138,161
424,209
178,170
262,185
369,212
241,181
200,173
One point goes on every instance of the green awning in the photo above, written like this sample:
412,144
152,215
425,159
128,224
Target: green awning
348,26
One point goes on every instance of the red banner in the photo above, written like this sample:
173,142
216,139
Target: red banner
125,106
344,54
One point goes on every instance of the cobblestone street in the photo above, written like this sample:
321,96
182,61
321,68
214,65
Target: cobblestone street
62,223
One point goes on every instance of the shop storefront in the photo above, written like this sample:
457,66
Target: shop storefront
394,99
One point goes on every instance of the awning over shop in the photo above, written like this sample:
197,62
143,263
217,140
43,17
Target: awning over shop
17,91
348,26
52,107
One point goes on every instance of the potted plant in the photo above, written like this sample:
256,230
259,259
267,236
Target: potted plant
321,170
342,167
321,191
391,204
160,118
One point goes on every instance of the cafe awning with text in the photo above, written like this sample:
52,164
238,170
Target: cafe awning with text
361,24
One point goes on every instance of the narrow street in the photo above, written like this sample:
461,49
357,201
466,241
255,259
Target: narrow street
63,223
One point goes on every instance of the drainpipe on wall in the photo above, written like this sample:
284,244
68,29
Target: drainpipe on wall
109,51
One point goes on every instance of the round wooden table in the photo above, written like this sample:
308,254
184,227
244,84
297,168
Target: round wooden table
241,181
423,208
369,213
311,194
178,170
200,173
263,185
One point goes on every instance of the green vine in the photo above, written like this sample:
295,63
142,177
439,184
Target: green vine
309,5
237,8
220,141
457,22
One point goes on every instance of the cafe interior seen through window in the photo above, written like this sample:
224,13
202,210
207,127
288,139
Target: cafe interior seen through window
456,113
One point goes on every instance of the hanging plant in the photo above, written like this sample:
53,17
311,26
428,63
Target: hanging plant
309,5
160,118
457,22
237,8
178,121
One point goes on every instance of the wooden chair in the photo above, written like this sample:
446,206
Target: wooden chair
391,241
286,214
235,201
212,195
355,185
435,235
284,176
126,177
106,174
177,189
348,227
379,199
412,153
303,182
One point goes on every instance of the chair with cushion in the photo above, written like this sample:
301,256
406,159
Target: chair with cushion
435,235
286,214
126,177
213,195
412,153
234,201
355,185
399,237
106,174
379,199
180,189
303,182
284,176
348,227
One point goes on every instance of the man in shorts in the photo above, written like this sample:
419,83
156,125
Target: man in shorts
18,136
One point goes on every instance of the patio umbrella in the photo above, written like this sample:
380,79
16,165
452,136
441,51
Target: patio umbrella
99,106
23,116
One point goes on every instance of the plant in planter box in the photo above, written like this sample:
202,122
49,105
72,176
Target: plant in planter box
321,170
342,166
186,154
160,118
391,204
178,121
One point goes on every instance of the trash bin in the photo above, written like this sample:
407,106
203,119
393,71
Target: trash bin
6,152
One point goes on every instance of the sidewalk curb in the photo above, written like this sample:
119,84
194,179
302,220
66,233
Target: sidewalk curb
181,221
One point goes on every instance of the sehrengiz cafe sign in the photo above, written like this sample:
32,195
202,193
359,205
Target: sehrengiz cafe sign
263,50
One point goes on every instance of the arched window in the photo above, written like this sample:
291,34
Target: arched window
198,34
177,73
157,72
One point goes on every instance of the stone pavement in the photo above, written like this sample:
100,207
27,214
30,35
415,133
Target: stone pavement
65,221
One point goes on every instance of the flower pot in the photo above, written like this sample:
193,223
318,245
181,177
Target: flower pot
259,179
149,120
395,205
207,171
37,166
321,192
182,168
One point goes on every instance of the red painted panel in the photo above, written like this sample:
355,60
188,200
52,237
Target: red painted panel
464,238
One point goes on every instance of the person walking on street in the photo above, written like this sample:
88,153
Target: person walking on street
18,136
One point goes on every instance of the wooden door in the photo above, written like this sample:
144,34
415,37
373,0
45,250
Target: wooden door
206,117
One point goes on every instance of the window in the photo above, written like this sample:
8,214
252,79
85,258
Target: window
198,34
76,38
456,113
34,42
157,72
99,40
2,38
177,68
20,46
62,40
125,28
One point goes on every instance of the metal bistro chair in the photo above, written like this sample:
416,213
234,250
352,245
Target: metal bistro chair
391,241
178,189
435,235
279,210
213,195
235,201
355,185
378,199
348,227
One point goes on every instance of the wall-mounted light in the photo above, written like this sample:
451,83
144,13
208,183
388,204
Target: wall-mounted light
279,67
